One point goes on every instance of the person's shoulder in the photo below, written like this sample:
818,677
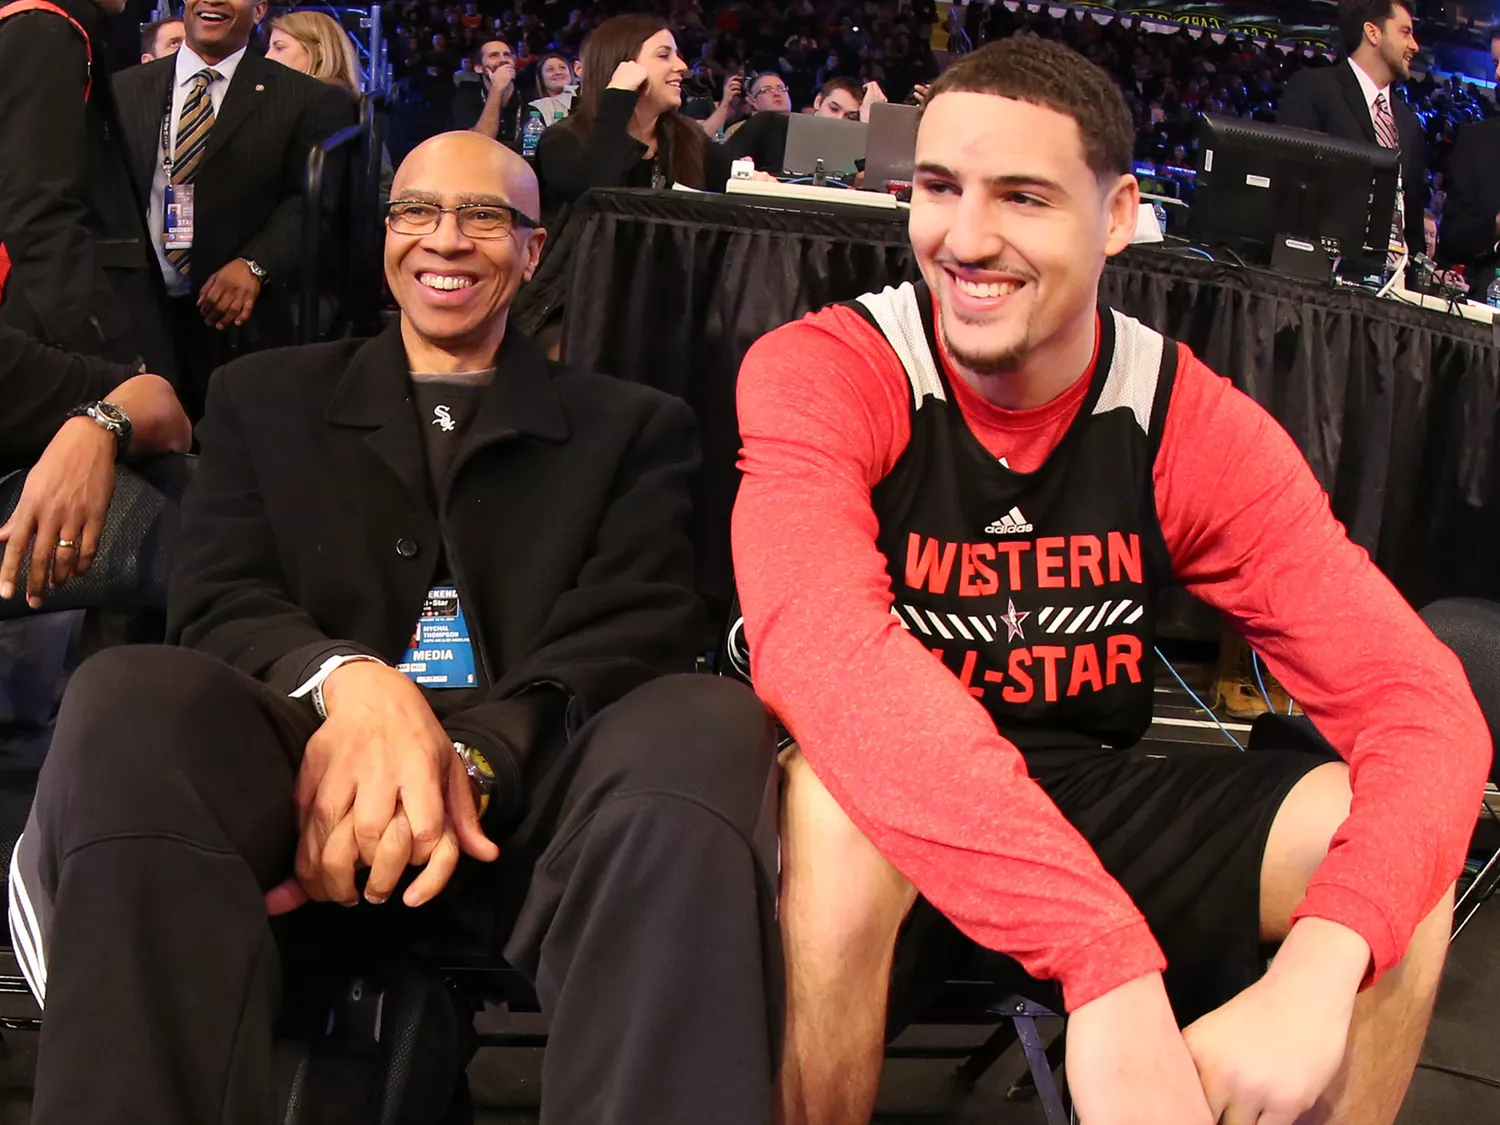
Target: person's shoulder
281,378
605,396
1315,78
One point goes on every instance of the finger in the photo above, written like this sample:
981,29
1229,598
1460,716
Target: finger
285,897
41,561
392,858
64,562
374,806
309,864
435,876
310,777
89,546
208,295
423,805
18,533
334,800
464,815
340,854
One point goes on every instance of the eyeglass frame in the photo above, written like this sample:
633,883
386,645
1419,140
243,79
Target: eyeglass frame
518,218
783,88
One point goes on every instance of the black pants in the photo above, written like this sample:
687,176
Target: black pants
638,895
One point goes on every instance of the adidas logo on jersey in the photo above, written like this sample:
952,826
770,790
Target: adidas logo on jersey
1012,523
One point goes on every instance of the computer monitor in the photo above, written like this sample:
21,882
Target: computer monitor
892,148
839,144
1258,184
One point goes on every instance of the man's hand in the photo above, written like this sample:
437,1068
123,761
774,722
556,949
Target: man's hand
229,296
1127,1063
734,92
629,75
1268,1055
380,787
66,497
919,93
501,80
873,94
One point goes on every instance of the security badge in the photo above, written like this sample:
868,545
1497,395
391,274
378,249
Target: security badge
440,654
177,219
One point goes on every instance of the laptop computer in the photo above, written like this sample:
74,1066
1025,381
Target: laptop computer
892,149
838,143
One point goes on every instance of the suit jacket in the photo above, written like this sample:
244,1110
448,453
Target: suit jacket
310,529
83,276
1329,100
248,188
1467,233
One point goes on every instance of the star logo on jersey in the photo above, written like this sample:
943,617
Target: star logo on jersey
1013,620
444,418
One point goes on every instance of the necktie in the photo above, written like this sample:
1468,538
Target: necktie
192,137
1385,132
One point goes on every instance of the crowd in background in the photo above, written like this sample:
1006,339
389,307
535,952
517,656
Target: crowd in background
1168,79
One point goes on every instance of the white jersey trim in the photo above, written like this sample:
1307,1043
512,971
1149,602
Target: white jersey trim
1134,371
899,317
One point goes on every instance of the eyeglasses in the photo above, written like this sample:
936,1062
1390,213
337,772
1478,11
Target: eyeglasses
776,89
475,220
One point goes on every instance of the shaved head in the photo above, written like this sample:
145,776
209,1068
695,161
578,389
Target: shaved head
469,162
455,286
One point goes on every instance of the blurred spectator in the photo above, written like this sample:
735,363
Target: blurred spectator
493,105
80,262
315,44
1470,234
628,129
161,38
554,87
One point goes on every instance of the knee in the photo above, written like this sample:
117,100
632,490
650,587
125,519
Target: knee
130,712
702,738
842,901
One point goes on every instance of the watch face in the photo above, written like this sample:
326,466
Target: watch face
111,415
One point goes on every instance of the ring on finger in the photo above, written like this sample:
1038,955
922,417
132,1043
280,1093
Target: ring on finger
67,544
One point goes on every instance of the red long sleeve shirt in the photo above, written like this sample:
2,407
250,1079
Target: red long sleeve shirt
916,761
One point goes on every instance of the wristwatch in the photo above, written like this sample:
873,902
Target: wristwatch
256,268
110,417
481,773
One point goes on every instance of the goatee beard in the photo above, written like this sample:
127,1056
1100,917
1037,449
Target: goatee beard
1006,362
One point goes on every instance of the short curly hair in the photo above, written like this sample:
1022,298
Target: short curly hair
1048,74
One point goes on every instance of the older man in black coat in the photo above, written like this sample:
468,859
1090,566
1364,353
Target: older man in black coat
429,592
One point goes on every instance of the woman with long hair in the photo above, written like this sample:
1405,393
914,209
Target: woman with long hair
627,127
315,44
554,87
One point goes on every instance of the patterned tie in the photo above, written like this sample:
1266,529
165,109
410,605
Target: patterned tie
192,137
1385,132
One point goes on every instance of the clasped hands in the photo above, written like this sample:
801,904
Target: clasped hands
381,788
1264,1058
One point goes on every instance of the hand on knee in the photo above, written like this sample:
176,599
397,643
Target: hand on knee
1269,1054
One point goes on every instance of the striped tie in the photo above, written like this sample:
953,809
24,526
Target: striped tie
192,137
1385,132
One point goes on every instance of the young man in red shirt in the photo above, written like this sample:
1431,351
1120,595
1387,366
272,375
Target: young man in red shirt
960,500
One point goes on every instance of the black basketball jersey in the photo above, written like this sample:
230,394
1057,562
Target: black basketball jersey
1038,590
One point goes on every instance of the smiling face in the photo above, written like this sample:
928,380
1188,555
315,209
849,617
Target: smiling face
1011,227
288,50
555,76
455,291
1396,40
217,29
664,69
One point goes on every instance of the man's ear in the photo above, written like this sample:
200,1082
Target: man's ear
260,11
534,246
1124,208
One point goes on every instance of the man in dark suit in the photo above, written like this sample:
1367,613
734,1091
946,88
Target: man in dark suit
82,273
1469,234
381,610
232,267
1357,100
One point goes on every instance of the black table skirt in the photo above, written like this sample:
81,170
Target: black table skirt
1394,406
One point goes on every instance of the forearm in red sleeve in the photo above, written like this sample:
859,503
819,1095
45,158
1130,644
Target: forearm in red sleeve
1251,533
907,752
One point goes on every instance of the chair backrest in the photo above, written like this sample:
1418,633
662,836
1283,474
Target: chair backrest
1471,628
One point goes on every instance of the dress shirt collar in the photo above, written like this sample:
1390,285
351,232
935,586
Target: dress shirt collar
189,64
1370,90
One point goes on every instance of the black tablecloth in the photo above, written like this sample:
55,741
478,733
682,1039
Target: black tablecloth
1394,406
